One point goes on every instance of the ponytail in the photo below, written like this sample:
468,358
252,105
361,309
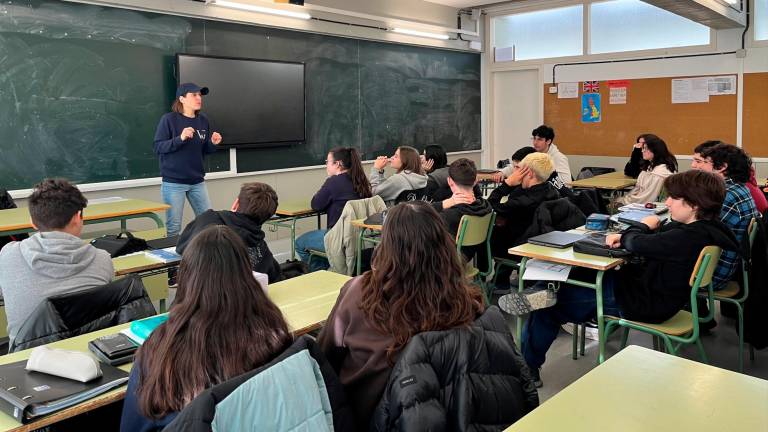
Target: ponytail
350,161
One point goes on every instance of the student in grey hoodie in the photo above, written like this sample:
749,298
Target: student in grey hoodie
410,175
53,261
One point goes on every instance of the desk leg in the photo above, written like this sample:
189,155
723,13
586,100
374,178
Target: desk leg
293,239
359,255
519,321
600,317
319,224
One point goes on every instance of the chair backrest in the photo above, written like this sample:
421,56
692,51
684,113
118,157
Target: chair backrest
702,277
66,315
474,230
705,267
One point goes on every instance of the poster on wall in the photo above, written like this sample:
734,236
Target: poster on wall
591,87
617,96
569,90
590,108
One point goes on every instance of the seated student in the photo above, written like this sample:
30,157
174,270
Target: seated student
654,165
409,175
346,181
654,289
733,165
462,176
434,161
53,261
416,284
554,178
542,138
221,325
525,189
761,203
256,203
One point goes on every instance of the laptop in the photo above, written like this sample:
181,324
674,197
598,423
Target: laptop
556,239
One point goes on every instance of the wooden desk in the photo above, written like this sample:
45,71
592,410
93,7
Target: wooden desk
569,257
286,217
305,302
611,182
17,221
366,235
639,390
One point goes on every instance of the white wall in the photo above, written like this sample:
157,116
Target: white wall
725,40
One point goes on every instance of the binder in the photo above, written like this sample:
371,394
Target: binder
26,395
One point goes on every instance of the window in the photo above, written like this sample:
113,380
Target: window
541,34
761,19
631,25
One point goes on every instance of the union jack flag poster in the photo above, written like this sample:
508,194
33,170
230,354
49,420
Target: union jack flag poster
591,87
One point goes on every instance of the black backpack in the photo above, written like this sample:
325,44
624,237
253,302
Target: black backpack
6,202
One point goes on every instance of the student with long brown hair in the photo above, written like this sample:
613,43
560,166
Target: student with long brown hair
409,176
346,181
416,284
221,325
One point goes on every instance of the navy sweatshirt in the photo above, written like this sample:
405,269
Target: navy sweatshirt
333,196
182,161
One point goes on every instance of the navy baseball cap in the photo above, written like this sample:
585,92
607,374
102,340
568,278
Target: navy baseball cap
190,88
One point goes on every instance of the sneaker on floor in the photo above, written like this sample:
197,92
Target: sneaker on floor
537,377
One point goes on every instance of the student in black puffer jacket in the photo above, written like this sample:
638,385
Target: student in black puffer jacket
463,379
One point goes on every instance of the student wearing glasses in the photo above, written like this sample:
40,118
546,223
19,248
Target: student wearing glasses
651,162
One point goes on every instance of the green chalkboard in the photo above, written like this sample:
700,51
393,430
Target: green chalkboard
82,88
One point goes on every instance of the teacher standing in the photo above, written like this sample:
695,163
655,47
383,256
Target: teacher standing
182,139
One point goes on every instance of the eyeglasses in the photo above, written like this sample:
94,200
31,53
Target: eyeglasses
701,161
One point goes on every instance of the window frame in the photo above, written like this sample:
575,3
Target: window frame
514,9
753,40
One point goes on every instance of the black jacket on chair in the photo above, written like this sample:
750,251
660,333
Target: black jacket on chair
79,312
557,215
464,379
757,302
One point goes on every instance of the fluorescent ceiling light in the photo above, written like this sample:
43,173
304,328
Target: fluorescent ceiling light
420,33
261,9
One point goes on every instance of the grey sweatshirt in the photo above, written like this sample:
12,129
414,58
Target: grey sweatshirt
44,265
389,188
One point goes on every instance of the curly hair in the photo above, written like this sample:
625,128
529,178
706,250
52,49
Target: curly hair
54,202
417,282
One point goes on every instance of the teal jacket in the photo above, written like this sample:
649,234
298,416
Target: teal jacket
296,391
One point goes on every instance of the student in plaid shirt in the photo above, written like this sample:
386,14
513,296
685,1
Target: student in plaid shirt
733,165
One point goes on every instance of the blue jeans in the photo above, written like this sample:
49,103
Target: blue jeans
174,194
312,240
574,304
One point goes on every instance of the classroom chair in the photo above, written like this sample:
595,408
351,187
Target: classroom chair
474,231
735,295
683,328
316,254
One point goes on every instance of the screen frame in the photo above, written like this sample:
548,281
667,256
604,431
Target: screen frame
258,144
